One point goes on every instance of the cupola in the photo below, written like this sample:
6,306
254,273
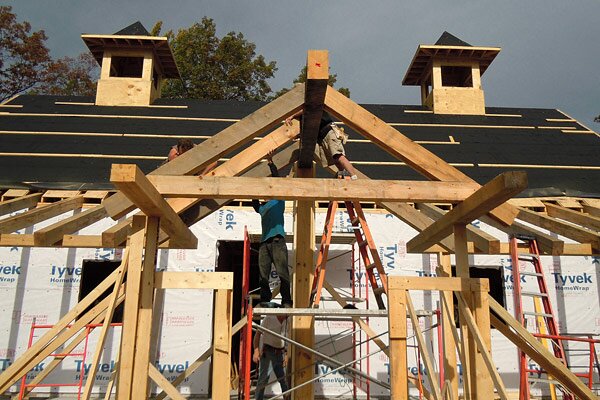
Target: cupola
449,74
133,65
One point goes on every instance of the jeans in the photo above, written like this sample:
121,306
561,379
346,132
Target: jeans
274,251
270,358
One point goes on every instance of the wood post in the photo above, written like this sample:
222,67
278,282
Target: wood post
448,323
137,319
397,334
303,327
221,354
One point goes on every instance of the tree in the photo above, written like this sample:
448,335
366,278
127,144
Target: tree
597,119
23,55
70,77
225,68
302,78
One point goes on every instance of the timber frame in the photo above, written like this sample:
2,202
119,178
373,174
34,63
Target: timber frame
165,212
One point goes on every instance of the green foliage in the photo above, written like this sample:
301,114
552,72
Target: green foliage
70,77
26,65
215,68
302,78
23,55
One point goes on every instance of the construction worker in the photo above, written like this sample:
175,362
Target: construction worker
272,355
273,249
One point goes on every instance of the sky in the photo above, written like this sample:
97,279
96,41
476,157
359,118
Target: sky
550,54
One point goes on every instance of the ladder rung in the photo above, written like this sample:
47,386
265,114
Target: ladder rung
531,273
364,243
528,257
534,294
379,290
542,380
538,314
370,266
355,221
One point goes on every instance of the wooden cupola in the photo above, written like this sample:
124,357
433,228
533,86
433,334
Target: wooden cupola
449,73
133,65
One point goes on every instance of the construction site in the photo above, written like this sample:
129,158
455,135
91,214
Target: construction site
462,263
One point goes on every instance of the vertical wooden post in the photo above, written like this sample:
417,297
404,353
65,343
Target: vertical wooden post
139,389
483,385
303,327
397,334
462,271
221,355
479,383
448,323
132,300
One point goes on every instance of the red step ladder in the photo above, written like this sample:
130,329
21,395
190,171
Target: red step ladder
544,320
366,247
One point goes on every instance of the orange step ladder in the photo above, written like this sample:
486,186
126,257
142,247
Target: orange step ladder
543,315
366,246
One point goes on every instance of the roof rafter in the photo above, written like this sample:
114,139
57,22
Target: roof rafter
495,192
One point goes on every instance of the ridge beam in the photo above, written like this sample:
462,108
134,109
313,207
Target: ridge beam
317,76
489,196
133,183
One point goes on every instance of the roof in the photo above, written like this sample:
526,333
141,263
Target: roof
134,29
447,46
69,143
135,36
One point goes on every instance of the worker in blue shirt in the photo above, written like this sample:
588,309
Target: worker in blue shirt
273,249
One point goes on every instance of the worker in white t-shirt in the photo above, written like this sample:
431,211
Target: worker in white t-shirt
271,353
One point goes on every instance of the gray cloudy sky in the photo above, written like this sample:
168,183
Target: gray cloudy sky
550,54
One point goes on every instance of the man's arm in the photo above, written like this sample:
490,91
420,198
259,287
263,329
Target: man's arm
271,164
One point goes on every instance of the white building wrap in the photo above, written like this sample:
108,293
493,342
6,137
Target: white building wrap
42,284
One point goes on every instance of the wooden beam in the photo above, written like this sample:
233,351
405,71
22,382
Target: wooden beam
220,144
562,228
164,383
400,146
303,275
28,201
91,376
485,242
249,157
593,211
443,284
55,232
118,233
444,270
132,181
206,207
317,76
31,217
221,354
56,336
397,339
144,351
310,190
130,312
432,376
524,340
587,221
482,347
193,280
187,373
489,196
466,340
548,243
